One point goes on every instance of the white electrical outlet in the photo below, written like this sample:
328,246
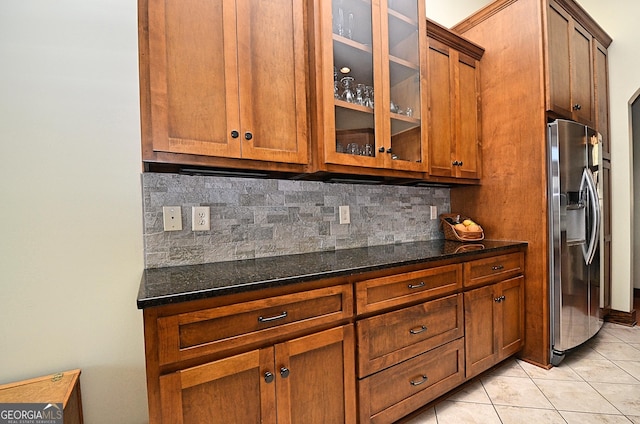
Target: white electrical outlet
434,212
172,218
345,218
200,218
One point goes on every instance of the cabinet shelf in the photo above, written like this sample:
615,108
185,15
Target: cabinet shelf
402,69
401,123
350,116
356,56
353,106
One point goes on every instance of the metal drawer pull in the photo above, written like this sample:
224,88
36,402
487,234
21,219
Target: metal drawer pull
419,382
269,319
417,286
422,329
499,299
497,267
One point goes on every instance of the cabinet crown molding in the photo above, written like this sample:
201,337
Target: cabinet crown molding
574,9
438,32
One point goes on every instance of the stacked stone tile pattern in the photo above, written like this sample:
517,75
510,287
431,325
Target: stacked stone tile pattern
255,218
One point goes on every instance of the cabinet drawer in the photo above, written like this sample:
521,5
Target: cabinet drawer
188,335
387,339
393,393
493,269
385,292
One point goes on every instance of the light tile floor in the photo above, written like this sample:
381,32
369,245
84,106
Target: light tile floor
597,383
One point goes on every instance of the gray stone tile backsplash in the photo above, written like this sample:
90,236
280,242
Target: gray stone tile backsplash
253,218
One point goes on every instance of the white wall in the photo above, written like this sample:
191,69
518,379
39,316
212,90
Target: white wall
70,205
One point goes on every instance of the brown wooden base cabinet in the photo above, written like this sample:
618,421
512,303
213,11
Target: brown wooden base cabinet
494,324
298,381
408,336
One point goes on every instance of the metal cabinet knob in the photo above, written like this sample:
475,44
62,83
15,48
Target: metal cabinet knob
284,372
577,107
248,135
268,377
235,134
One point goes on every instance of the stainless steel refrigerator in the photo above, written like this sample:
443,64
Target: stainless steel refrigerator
575,211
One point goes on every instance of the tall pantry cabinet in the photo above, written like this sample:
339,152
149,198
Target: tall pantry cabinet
544,59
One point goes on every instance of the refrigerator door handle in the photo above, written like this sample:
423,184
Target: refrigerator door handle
592,201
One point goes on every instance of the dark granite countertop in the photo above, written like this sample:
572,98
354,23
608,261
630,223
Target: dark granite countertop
161,286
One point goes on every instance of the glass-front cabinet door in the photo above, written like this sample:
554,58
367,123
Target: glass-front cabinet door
373,62
405,27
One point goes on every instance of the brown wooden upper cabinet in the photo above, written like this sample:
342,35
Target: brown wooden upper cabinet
224,78
454,105
575,69
370,65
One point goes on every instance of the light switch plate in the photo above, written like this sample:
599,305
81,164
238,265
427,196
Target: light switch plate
434,212
172,218
345,217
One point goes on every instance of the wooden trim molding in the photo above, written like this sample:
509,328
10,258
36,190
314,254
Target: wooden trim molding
576,11
622,318
442,34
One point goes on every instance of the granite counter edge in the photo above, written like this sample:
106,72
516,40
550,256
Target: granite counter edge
144,301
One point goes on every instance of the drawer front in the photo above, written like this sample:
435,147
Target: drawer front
386,292
393,393
188,335
493,269
387,339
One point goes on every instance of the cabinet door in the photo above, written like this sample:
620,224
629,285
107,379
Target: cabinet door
193,77
467,152
454,119
441,93
353,115
316,378
273,80
559,51
404,62
481,341
601,78
372,57
605,236
494,323
582,103
511,316
234,390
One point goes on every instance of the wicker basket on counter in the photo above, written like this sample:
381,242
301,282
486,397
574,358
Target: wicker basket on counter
450,233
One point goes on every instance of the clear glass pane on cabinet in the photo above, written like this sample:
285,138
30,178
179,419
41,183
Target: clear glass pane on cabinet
404,80
354,90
